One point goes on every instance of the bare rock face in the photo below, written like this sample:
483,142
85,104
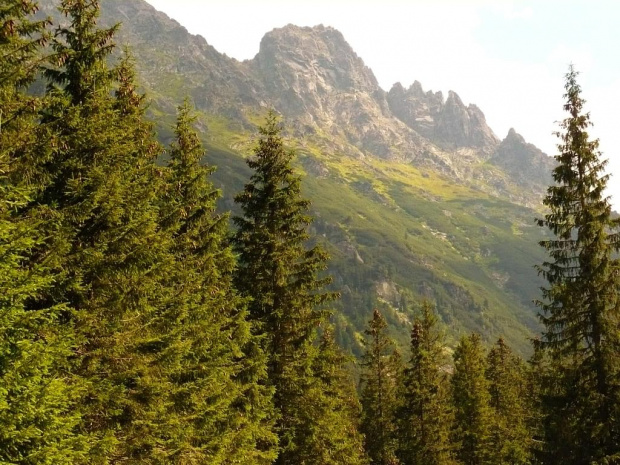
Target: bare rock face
527,165
474,130
326,94
450,124
313,76
417,109
312,63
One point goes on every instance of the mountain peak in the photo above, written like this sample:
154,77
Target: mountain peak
416,88
461,126
514,137
321,51
527,164
454,99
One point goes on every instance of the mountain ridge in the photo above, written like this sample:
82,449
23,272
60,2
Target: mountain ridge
355,107
413,194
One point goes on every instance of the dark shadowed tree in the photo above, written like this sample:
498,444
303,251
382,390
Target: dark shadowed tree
219,409
380,378
333,410
471,402
424,419
508,385
581,304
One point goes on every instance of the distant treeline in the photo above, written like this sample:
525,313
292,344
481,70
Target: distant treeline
136,328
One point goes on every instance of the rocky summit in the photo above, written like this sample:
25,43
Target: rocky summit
413,193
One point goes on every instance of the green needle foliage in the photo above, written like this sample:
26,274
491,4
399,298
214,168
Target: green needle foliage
381,374
219,410
97,174
581,304
425,418
507,376
38,420
80,52
537,376
335,409
281,277
471,403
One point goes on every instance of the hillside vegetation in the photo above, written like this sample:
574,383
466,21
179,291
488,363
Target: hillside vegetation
439,210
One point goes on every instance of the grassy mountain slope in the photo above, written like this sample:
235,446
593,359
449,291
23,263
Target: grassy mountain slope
406,213
398,234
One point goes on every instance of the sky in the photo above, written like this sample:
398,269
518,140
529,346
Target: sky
507,57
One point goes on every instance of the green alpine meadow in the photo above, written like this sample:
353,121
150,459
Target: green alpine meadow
277,262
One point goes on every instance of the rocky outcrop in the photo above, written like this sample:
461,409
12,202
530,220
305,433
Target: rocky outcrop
312,62
464,126
417,109
527,165
449,124
313,76
325,92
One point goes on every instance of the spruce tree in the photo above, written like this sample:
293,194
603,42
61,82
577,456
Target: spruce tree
471,403
335,407
581,304
38,421
219,410
96,175
80,52
424,418
380,378
507,377
537,377
281,277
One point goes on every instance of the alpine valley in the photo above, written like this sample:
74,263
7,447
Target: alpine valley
413,194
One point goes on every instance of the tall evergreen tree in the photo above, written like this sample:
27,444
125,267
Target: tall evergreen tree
96,173
219,408
424,418
335,409
581,304
470,397
381,373
537,378
80,52
507,376
38,421
280,276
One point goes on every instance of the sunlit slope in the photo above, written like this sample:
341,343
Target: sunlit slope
413,194
398,234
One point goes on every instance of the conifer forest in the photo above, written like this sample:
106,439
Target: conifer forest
141,323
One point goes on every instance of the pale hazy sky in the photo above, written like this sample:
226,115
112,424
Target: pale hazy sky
507,57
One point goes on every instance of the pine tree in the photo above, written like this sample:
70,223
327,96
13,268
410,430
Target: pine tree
581,304
219,410
507,377
280,276
470,397
37,394
381,374
425,418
